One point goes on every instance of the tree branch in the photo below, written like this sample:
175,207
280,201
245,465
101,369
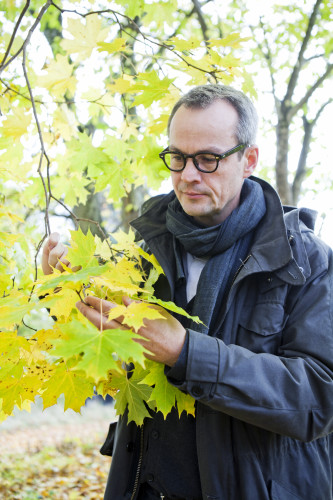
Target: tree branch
27,40
294,109
202,21
301,167
12,38
268,56
300,59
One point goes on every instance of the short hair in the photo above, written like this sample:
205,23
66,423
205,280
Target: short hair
203,96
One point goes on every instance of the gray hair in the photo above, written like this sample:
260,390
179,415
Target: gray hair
203,96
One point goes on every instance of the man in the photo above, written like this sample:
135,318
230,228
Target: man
261,366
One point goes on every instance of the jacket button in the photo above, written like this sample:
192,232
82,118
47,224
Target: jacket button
130,446
150,478
155,434
197,391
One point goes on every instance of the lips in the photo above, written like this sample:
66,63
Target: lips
192,194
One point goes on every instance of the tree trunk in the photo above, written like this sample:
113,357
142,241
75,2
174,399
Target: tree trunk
281,164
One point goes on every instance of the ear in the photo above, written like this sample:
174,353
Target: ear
251,156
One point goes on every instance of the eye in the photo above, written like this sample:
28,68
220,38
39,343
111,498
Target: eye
206,158
176,157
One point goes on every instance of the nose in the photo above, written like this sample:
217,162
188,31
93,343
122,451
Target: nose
190,172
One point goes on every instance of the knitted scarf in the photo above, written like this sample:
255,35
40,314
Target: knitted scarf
226,245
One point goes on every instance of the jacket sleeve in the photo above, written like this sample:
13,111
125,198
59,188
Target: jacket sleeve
290,392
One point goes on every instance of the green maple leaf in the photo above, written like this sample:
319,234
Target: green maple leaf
74,384
101,349
164,394
172,307
70,278
153,88
82,153
82,249
131,395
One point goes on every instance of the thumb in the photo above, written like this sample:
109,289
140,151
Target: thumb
127,301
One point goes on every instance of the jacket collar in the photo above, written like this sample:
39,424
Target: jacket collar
277,244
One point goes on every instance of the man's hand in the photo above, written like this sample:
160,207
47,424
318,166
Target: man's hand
164,338
53,252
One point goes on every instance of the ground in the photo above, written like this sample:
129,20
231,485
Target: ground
55,454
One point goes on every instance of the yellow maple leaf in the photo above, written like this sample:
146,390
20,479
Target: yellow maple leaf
16,124
58,77
135,314
85,36
62,308
117,45
64,122
44,338
121,85
16,391
74,384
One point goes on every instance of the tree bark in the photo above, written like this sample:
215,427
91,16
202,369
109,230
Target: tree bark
281,162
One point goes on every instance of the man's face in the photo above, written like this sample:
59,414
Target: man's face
209,197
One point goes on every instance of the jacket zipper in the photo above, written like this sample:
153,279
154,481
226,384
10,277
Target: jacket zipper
138,469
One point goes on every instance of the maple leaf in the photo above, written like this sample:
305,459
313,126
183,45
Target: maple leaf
66,380
82,153
58,77
85,36
233,40
63,307
117,45
101,349
13,308
185,45
15,391
135,314
74,190
69,278
165,395
102,248
172,307
119,278
11,344
82,249
44,338
153,88
16,124
131,395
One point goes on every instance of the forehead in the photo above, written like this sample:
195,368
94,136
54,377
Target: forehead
217,122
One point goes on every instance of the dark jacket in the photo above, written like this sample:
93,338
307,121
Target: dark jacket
264,386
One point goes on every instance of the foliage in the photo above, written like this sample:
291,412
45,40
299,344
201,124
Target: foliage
85,92
66,468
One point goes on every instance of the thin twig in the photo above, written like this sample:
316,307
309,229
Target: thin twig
27,40
138,30
12,38
43,152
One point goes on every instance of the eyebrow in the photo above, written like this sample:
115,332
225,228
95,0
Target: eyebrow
207,150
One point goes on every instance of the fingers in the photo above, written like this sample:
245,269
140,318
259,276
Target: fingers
51,242
96,311
53,252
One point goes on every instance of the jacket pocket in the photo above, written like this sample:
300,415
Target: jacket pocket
107,447
260,329
279,492
265,319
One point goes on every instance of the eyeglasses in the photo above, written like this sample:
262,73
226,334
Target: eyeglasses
205,161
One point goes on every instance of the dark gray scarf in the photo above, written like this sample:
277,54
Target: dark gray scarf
226,245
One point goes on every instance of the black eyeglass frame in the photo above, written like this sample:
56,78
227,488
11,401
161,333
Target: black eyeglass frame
218,157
